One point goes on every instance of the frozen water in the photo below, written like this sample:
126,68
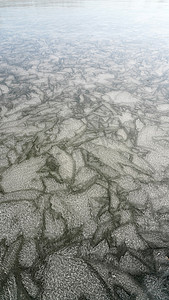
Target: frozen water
84,150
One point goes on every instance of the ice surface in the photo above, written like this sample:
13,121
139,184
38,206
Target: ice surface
23,176
84,150
68,278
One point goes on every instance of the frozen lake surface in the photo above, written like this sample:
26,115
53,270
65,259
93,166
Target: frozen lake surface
84,150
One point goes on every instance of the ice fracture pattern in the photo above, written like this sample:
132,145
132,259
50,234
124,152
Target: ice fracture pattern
84,156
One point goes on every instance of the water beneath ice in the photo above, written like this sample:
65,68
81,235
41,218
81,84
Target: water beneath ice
84,150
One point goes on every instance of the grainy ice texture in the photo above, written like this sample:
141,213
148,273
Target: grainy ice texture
84,150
